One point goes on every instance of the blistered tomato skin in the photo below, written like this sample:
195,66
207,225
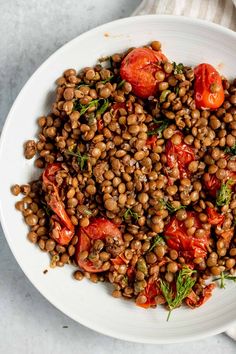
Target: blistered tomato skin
179,156
98,229
139,68
188,246
62,229
208,88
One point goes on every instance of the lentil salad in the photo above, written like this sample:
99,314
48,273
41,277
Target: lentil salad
138,181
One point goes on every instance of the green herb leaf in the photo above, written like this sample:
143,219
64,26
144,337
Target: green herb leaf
81,159
164,95
46,208
230,150
158,131
224,194
120,84
184,284
223,277
87,212
82,108
178,68
176,90
158,240
168,205
104,107
130,212
107,80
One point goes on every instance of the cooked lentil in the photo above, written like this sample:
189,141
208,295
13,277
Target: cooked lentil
122,158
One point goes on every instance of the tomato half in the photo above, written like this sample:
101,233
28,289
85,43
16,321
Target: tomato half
214,218
188,246
139,68
208,88
151,141
60,232
62,229
212,184
227,236
179,156
194,301
151,291
99,228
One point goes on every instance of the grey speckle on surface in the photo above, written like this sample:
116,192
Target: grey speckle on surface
30,32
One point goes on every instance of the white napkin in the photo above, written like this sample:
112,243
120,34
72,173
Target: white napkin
222,12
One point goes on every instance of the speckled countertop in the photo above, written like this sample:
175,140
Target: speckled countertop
30,32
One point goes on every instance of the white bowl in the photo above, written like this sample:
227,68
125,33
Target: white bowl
184,40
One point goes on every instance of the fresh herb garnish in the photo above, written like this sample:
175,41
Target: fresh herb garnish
178,68
46,208
81,159
164,95
231,150
184,284
120,84
82,108
158,240
224,194
87,212
130,212
158,131
169,206
223,277
176,90
107,80
103,107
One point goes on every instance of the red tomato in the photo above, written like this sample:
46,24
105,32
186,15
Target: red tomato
100,124
212,184
227,236
151,141
139,68
49,174
179,156
60,232
208,88
62,227
99,228
151,291
194,301
189,246
214,218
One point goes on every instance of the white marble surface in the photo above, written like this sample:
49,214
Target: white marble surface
30,31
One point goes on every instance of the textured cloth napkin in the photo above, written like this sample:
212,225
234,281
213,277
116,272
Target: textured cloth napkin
222,12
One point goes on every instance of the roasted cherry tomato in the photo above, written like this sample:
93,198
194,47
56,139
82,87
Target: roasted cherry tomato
151,141
61,225
214,218
178,239
59,231
151,291
227,236
99,228
212,184
194,301
208,88
139,68
179,156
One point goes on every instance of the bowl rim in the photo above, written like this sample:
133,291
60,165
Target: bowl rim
83,321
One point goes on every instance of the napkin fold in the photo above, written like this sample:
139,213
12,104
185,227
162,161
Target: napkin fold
222,12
